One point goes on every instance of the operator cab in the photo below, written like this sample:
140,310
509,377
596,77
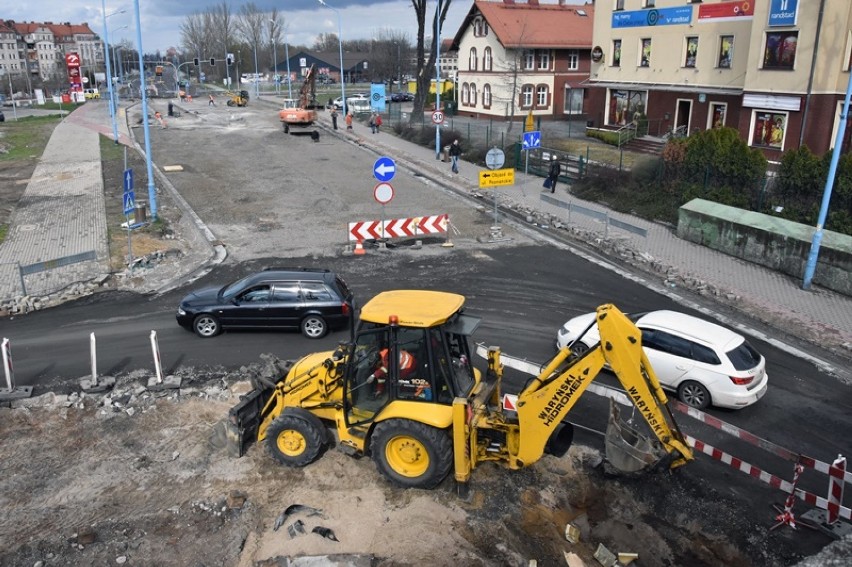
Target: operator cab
415,362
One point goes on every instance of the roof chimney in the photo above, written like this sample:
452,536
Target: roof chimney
509,2
532,2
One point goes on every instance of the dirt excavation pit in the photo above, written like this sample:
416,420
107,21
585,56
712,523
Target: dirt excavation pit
142,478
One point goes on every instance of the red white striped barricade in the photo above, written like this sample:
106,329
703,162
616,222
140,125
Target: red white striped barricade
11,392
398,228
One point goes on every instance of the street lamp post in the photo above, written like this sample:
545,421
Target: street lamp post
398,70
256,74
275,57
438,80
340,48
152,189
115,47
109,69
287,55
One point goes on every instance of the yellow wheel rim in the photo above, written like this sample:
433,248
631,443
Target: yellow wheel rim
291,443
407,456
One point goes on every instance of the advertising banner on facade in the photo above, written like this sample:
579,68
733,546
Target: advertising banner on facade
710,13
660,17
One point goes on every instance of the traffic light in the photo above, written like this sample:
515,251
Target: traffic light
195,61
213,61
230,59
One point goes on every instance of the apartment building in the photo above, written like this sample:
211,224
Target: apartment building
776,70
520,58
39,48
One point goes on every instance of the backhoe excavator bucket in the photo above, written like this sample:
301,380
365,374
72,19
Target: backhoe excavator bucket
628,450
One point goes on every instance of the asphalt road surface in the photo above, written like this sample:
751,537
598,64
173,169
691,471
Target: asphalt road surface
281,200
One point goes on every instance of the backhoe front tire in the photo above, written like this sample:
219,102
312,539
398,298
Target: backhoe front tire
411,454
295,439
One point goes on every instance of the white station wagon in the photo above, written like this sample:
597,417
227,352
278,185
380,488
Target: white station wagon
704,363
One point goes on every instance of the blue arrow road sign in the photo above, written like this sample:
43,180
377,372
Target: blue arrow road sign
129,202
384,169
128,180
532,140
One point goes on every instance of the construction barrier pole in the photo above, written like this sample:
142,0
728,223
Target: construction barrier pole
835,489
155,348
93,355
7,364
786,516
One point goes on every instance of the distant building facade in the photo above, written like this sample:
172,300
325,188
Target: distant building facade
776,70
516,59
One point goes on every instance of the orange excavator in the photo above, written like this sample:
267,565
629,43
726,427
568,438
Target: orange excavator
301,113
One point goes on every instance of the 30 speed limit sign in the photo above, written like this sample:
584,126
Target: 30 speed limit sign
437,117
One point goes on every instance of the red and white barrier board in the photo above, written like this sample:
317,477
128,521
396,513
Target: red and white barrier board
398,228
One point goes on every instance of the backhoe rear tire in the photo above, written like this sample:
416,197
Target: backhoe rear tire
295,438
412,454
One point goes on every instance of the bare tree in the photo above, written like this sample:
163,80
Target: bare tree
251,26
221,25
426,63
326,42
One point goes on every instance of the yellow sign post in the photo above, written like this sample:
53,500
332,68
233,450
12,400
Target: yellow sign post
496,178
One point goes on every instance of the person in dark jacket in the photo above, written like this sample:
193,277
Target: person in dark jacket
455,152
553,174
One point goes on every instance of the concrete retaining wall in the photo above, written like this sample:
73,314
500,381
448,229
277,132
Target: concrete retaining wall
769,241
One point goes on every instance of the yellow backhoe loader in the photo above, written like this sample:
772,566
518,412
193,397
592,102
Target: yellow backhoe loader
404,391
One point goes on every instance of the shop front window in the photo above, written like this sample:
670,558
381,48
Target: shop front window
625,105
769,128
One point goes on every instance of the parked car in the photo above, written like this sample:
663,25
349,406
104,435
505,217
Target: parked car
311,300
338,102
704,363
402,97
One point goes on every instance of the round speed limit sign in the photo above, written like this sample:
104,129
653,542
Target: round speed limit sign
437,117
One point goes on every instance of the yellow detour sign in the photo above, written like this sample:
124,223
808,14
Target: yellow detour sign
496,177
529,125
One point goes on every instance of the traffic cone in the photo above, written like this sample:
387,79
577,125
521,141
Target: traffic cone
359,249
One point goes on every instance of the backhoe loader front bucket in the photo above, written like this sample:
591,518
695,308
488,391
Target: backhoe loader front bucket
628,450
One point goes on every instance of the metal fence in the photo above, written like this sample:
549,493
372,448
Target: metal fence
602,216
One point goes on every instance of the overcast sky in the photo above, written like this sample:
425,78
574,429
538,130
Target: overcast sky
306,19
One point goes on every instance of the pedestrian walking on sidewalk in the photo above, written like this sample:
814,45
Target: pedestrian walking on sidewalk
373,123
334,118
378,122
553,174
455,152
211,102
349,121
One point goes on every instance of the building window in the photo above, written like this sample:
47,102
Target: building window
619,4
486,96
486,59
726,51
544,59
541,97
472,62
573,100
691,52
473,95
616,53
465,94
769,129
526,96
573,59
645,53
650,3
624,105
476,28
529,59
718,112
780,50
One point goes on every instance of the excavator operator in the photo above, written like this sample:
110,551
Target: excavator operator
407,366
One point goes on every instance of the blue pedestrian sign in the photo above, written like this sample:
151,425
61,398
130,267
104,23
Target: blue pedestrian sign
129,202
531,140
128,180
384,169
